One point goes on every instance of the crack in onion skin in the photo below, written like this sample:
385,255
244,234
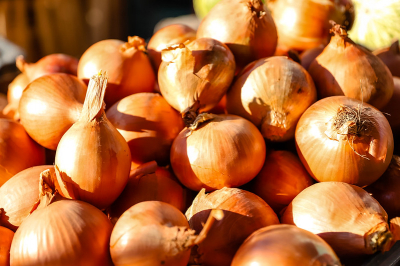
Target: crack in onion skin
244,213
222,151
148,124
345,68
285,245
350,220
66,232
391,57
272,93
339,154
5,245
50,105
246,27
126,63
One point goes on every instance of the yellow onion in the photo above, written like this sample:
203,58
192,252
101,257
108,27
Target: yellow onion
308,56
345,68
17,150
148,124
154,233
14,93
50,105
392,109
284,245
127,64
244,213
217,151
343,139
5,245
19,195
193,78
345,216
272,93
391,57
93,159
167,36
246,27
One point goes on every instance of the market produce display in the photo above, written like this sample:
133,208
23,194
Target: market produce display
268,136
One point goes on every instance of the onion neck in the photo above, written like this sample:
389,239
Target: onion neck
93,107
257,8
340,39
378,238
134,42
200,120
47,190
190,114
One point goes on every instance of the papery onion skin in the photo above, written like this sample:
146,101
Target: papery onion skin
17,150
392,109
18,196
148,124
308,56
345,68
14,93
395,229
281,179
227,151
350,220
330,155
5,245
272,93
66,232
391,57
244,213
50,105
169,35
284,245
246,27
128,67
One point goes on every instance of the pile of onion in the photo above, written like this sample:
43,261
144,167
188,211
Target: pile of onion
244,213
392,109
284,245
155,233
345,68
342,139
148,124
50,105
391,57
14,93
5,245
272,93
17,150
245,26
127,64
281,179
93,159
193,78
345,216
167,36
217,151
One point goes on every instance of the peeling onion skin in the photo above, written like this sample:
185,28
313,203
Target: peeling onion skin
345,68
50,105
246,27
391,57
5,245
344,215
148,124
329,155
66,232
272,93
284,245
244,213
226,151
18,196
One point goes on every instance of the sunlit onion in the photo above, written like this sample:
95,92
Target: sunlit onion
14,93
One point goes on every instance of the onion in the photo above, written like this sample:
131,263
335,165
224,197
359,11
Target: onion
308,56
93,159
127,65
386,190
167,36
148,124
342,139
193,78
272,93
14,93
244,213
284,245
154,233
19,195
304,24
217,151
391,57
17,150
395,229
50,64
344,68
5,245
246,27
50,105
345,216
149,183
392,109
280,180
